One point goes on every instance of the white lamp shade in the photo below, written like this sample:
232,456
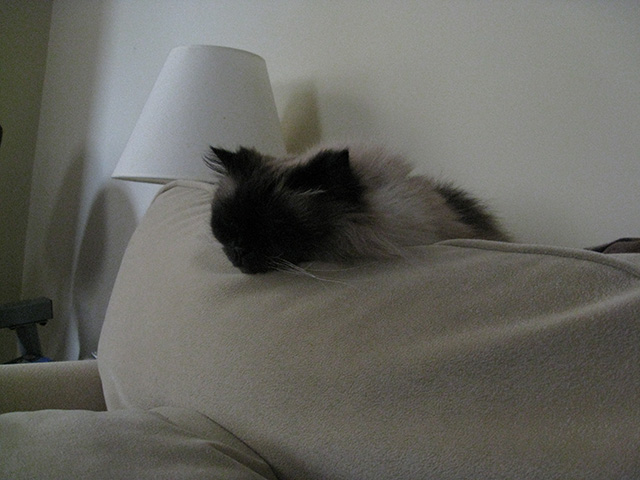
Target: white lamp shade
205,95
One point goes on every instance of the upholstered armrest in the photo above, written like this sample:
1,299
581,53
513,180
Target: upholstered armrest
55,385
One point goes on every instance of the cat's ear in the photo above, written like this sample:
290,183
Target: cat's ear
237,165
329,171
213,160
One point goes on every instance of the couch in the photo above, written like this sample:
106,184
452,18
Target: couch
466,359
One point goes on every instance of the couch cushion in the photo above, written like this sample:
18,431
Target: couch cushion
468,359
164,443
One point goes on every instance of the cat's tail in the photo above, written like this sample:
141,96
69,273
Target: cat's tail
473,213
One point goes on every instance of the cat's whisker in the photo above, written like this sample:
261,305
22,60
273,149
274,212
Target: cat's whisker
287,267
338,268
283,265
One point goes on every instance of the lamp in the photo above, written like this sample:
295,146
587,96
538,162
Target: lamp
205,95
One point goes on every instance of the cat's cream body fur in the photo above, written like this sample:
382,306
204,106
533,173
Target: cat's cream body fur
403,209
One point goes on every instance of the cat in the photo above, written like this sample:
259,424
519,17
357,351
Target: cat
334,204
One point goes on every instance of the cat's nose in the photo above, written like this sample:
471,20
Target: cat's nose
251,268
253,263
246,261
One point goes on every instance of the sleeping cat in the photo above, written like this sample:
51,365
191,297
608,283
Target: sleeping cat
333,204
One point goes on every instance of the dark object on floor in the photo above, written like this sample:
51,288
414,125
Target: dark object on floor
23,317
622,245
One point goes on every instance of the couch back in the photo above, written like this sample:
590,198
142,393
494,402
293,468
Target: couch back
469,359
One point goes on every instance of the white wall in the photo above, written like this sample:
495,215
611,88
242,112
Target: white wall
534,105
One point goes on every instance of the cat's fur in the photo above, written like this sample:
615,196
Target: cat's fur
333,204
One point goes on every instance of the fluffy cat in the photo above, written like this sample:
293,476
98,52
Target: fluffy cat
333,204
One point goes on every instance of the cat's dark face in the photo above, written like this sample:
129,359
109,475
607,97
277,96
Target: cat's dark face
269,216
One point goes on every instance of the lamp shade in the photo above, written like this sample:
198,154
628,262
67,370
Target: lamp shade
205,95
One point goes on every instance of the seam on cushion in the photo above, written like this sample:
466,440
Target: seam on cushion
199,185
158,413
544,250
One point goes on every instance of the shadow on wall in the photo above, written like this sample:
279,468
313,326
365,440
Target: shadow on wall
80,264
300,120
51,272
109,227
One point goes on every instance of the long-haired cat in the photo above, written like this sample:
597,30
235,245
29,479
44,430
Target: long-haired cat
333,204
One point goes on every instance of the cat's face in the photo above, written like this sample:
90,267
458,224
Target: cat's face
269,216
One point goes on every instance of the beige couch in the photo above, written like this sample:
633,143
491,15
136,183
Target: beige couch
469,359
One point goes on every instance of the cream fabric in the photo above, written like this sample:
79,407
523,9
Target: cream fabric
55,385
467,360
164,443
